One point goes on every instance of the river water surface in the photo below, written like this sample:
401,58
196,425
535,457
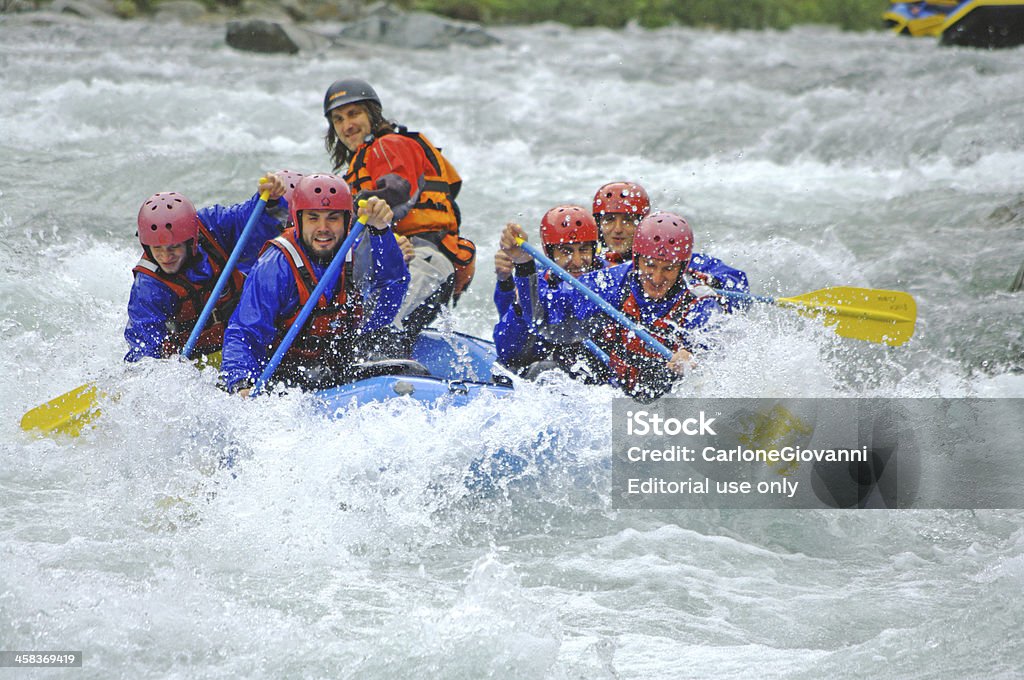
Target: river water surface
351,548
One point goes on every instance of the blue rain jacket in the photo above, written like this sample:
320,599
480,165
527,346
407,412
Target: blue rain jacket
152,305
520,312
270,296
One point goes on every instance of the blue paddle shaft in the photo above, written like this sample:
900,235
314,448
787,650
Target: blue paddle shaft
603,356
225,276
326,283
603,304
745,296
597,351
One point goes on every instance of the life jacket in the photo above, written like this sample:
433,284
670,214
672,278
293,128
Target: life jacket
435,209
193,296
330,319
623,346
612,257
713,274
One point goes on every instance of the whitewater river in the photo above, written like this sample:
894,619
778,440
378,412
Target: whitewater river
351,548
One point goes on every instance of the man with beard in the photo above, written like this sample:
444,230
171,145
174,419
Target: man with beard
341,328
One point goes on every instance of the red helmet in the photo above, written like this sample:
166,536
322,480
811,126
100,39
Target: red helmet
166,219
290,179
319,192
664,236
567,224
622,197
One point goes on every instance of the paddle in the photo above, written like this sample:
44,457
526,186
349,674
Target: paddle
72,411
1018,280
603,304
66,414
326,282
882,316
605,359
222,281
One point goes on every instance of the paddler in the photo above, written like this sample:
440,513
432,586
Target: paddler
654,291
535,337
342,329
384,159
620,206
184,251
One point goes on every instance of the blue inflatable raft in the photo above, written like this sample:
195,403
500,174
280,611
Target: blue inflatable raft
448,368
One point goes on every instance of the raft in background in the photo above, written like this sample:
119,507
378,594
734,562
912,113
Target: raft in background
988,24
918,19
984,23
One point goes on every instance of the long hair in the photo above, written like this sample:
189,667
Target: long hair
340,154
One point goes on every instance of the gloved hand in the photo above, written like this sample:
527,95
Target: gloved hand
393,188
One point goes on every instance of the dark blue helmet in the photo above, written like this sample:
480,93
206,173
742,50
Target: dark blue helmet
347,91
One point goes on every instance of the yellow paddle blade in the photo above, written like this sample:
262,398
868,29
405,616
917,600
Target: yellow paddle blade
883,316
67,414
211,360
72,411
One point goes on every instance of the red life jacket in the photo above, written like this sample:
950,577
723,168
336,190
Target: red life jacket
622,344
192,297
435,209
612,257
337,317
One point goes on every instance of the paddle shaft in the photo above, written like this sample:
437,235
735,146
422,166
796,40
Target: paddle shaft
603,304
837,309
225,276
325,284
603,356
745,296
